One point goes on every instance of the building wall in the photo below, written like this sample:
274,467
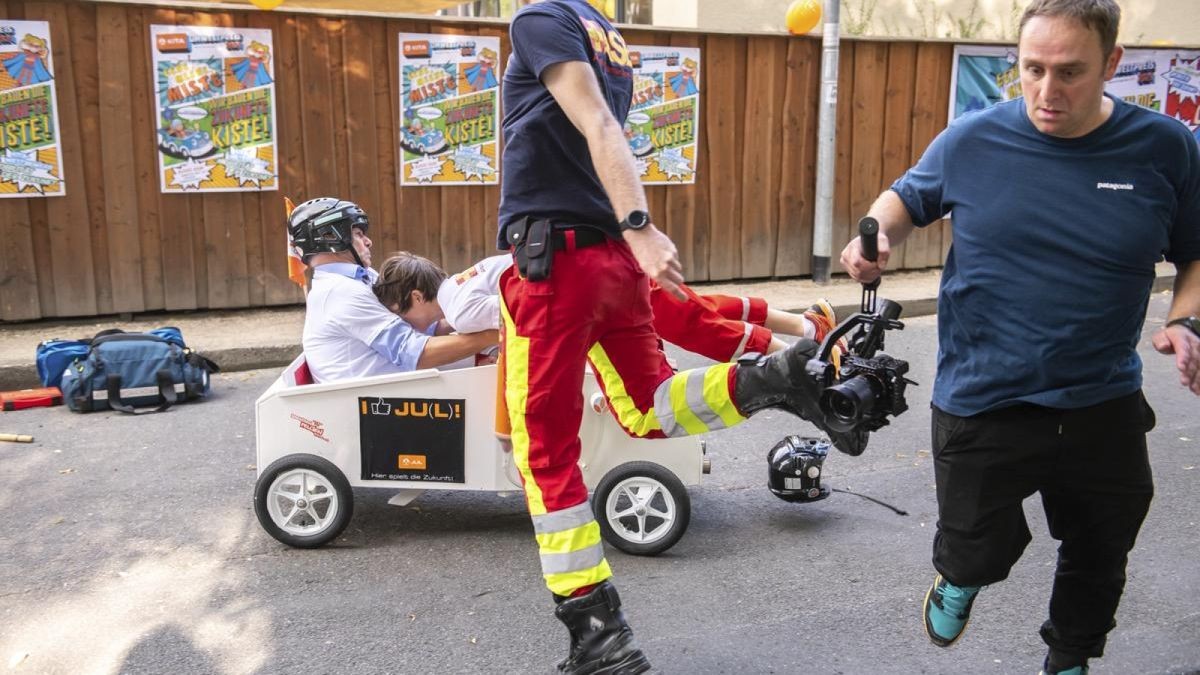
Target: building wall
1145,22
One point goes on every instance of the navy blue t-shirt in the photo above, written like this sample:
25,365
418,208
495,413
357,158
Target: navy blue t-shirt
1055,241
548,170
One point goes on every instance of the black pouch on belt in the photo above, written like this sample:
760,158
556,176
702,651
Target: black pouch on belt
533,247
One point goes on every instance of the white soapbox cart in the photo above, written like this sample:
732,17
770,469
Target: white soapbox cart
434,430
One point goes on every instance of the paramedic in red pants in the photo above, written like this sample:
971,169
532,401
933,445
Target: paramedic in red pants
574,214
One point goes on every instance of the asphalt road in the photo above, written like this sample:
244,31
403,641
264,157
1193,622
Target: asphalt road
130,545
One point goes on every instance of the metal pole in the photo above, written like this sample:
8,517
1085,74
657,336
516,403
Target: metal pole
826,146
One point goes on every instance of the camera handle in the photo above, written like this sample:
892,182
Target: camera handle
875,316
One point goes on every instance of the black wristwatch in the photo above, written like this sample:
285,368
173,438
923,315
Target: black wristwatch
636,220
1192,322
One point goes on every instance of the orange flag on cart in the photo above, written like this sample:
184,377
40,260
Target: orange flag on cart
295,264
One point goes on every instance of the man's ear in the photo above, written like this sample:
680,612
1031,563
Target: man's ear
416,296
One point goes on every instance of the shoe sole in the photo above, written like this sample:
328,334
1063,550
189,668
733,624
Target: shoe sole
934,637
632,662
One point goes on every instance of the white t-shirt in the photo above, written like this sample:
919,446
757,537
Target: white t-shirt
348,333
471,299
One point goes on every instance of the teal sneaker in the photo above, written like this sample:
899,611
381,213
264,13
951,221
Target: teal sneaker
947,610
1077,670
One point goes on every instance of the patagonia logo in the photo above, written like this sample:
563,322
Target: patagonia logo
1114,186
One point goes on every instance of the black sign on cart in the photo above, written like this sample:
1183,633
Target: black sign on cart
418,439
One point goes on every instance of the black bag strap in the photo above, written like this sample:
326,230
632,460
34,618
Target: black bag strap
166,392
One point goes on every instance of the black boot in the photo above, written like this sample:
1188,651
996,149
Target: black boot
779,381
601,641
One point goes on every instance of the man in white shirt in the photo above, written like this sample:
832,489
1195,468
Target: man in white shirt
347,332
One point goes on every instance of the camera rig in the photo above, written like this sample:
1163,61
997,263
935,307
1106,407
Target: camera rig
860,395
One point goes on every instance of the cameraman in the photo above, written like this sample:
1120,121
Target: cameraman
1062,201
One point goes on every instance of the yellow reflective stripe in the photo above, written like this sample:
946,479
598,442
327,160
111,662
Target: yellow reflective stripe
637,422
567,583
684,416
516,394
716,394
574,539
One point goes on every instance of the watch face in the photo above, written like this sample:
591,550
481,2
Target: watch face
637,219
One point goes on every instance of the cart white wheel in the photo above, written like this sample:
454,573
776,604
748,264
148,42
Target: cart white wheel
303,500
642,507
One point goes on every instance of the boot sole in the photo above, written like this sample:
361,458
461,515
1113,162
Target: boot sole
631,661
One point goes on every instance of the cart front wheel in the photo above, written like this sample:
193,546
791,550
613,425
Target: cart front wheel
642,507
303,500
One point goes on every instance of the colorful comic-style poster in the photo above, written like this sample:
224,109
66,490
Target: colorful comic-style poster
982,77
665,113
449,103
215,100
1181,72
30,152
1136,80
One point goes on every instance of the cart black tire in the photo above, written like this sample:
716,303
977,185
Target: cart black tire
337,480
679,505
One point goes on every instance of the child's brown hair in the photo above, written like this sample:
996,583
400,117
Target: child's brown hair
401,274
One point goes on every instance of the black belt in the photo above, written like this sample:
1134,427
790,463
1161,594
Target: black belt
584,237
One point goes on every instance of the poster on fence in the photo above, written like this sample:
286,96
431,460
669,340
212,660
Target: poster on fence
665,113
1163,80
449,107
30,152
214,92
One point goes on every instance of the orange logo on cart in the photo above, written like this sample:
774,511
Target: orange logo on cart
410,462
172,42
416,49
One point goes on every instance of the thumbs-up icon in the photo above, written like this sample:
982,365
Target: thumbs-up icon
381,407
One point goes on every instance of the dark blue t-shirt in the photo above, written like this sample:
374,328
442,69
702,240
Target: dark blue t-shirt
1055,241
547,169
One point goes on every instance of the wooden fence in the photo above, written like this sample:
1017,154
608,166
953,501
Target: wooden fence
115,244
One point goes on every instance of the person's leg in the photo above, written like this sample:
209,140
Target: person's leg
1095,506
984,467
549,326
695,325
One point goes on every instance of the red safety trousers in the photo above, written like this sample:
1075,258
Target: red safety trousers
721,327
594,307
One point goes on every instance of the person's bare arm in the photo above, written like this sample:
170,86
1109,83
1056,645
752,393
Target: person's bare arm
894,227
445,349
574,87
1179,340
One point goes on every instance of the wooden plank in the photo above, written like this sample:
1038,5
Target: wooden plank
928,115
18,272
797,184
686,211
842,215
867,103
145,157
320,173
362,170
84,59
71,272
43,256
225,248
338,103
897,121
762,154
726,72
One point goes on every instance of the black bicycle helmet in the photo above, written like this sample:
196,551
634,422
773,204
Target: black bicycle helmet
325,225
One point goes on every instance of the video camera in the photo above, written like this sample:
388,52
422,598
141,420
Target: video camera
870,385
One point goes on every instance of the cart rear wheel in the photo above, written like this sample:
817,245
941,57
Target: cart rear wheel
303,500
642,507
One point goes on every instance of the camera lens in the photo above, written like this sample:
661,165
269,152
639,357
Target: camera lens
850,402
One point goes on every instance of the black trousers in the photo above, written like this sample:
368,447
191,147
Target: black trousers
1091,468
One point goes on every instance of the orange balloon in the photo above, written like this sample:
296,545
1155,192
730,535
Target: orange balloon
803,16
